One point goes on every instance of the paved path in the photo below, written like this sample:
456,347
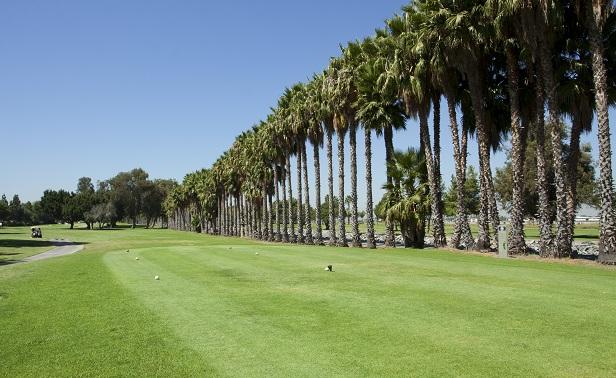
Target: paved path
63,247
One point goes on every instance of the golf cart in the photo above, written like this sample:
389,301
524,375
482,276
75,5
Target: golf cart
36,232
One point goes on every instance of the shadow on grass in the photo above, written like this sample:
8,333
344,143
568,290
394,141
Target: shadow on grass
98,229
9,261
26,243
589,236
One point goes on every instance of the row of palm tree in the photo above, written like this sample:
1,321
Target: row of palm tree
512,69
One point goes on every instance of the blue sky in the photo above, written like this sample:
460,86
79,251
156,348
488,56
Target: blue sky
91,88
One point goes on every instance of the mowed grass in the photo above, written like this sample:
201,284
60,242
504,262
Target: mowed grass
221,309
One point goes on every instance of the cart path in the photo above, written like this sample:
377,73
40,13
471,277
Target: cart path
63,248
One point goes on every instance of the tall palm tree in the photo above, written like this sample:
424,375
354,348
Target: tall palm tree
466,32
562,246
315,135
594,14
352,57
338,89
414,72
327,113
505,14
377,107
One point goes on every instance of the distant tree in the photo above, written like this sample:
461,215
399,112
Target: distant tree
103,213
325,210
73,210
16,211
471,193
4,209
30,215
152,199
52,204
586,182
84,184
128,189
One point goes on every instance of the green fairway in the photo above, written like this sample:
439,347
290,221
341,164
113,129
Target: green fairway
221,309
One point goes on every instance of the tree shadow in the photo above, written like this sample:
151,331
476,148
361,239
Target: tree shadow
9,262
583,236
30,243
24,243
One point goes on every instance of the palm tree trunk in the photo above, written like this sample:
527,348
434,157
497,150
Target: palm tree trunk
270,216
355,239
236,198
285,209
341,210
226,212
277,207
370,241
572,164
265,214
388,135
308,219
516,242
242,216
292,238
300,203
438,228
259,219
462,231
440,239
219,216
251,217
562,248
545,222
330,182
317,192
475,85
607,234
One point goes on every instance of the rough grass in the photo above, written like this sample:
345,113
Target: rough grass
220,309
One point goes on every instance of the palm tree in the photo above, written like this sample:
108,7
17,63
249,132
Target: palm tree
327,114
466,33
338,89
315,135
505,15
594,14
414,72
352,56
377,107
408,200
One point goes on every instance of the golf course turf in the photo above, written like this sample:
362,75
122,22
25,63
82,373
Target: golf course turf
234,307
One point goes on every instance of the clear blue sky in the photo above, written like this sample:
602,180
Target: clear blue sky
91,88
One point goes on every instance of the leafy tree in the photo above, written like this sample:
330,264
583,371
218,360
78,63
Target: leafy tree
4,209
103,213
16,212
325,210
128,189
52,204
471,194
586,184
